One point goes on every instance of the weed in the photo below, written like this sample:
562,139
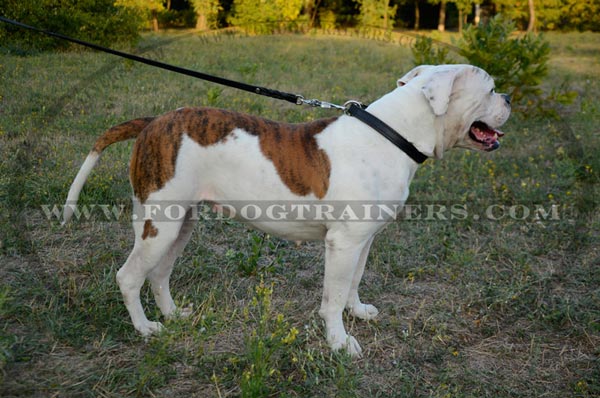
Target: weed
212,96
267,339
250,264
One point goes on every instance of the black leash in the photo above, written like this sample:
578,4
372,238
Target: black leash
352,108
293,98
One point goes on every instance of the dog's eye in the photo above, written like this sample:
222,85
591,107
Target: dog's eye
492,91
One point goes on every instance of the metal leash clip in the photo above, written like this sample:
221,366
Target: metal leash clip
349,103
318,103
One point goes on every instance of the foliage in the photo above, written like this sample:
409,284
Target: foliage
465,5
186,18
259,16
327,20
424,52
148,6
580,15
554,14
376,13
251,263
207,12
518,63
99,21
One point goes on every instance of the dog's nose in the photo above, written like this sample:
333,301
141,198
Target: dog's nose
506,98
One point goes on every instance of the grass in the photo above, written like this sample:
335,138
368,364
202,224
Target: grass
469,308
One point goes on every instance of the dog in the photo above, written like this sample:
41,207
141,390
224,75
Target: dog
194,155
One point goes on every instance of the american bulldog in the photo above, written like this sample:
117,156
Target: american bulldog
200,154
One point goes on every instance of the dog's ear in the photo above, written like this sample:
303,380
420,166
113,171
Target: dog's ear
438,88
440,137
412,74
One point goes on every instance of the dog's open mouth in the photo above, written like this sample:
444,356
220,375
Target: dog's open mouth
485,136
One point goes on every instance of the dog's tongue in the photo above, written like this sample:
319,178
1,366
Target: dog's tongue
485,134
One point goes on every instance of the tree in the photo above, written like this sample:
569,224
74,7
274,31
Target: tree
264,16
464,7
477,17
377,13
417,14
98,21
442,14
151,7
512,10
518,63
531,25
207,12
581,15
552,14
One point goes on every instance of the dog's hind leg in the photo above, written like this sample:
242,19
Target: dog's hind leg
159,276
153,240
354,305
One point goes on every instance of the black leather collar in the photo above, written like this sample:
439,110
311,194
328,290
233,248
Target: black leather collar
382,128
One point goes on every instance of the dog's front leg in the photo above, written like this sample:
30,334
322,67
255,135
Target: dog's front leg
341,260
354,305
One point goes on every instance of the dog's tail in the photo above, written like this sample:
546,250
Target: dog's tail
122,132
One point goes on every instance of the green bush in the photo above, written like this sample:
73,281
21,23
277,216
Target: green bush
518,63
424,53
99,21
327,19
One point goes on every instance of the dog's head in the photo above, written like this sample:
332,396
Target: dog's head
467,109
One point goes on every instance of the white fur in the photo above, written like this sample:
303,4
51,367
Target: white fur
77,185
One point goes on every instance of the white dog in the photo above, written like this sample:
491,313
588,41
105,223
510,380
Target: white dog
204,154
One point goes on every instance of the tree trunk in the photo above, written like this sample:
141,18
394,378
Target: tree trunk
312,10
531,26
201,22
477,18
385,15
155,20
460,20
417,15
442,20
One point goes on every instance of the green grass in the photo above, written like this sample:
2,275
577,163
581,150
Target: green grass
503,308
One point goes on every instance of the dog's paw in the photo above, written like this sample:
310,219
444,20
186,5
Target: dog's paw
364,311
149,328
349,344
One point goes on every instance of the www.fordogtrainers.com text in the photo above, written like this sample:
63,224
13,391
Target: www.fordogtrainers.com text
310,211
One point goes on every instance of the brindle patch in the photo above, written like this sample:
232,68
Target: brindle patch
121,132
154,155
292,148
149,230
